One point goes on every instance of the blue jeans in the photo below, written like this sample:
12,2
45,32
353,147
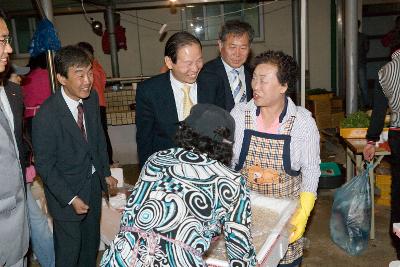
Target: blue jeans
363,84
41,236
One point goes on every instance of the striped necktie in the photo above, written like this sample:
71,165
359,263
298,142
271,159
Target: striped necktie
187,102
238,93
80,120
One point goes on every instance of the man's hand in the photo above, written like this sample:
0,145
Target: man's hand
79,206
111,181
369,152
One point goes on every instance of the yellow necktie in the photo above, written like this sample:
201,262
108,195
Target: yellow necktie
187,102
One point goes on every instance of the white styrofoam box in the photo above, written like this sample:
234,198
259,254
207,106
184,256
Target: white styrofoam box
396,229
394,264
109,223
271,252
276,244
118,174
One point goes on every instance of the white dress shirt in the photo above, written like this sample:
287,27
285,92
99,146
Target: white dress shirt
231,76
7,108
9,115
178,94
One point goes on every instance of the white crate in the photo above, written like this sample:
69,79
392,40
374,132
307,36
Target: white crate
276,244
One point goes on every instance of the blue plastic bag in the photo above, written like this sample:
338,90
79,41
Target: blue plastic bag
350,221
45,38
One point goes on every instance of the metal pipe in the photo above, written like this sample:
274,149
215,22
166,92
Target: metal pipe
303,36
351,30
340,66
113,44
46,9
140,50
296,42
51,70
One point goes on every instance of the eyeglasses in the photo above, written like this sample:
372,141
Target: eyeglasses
6,40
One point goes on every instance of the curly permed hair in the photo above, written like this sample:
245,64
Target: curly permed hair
288,70
188,139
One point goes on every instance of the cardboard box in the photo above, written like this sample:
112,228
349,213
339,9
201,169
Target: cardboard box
336,118
326,96
319,107
337,103
323,121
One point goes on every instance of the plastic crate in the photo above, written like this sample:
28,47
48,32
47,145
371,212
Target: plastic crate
276,244
353,133
331,176
383,179
384,201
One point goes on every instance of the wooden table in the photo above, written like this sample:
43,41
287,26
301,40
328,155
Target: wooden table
354,157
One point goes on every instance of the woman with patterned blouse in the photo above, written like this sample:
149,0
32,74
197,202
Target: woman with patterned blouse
184,198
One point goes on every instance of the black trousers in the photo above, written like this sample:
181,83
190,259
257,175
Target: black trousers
76,243
103,116
394,143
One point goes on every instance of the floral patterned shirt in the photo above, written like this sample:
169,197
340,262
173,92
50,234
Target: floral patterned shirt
181,201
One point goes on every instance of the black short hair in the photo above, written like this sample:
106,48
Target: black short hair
39,61
70,56
288,70
178,40
237,28
86,46
188,139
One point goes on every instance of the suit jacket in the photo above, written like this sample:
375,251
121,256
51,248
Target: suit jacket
64,158
14,231
156,114
14,95
217,66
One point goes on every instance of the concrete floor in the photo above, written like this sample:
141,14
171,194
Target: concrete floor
321,251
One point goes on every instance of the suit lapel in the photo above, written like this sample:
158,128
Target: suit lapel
12,99
89,110
4,122
249,91
67,120
230,102
167,100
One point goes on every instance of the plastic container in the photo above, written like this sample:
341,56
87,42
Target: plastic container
331,176
276,244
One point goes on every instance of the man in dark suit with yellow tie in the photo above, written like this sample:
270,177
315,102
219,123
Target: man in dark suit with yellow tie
71,158
164,100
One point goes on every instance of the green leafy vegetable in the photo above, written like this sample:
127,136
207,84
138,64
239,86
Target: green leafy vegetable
357,119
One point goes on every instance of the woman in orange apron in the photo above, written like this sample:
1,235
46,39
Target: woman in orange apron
277,143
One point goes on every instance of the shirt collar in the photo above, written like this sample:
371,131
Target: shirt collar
71,103
396,54
178,84
283,113
228,68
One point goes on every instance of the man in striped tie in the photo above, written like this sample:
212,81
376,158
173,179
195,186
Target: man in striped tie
234,44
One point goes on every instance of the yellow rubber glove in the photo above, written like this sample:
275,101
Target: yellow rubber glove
299,219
